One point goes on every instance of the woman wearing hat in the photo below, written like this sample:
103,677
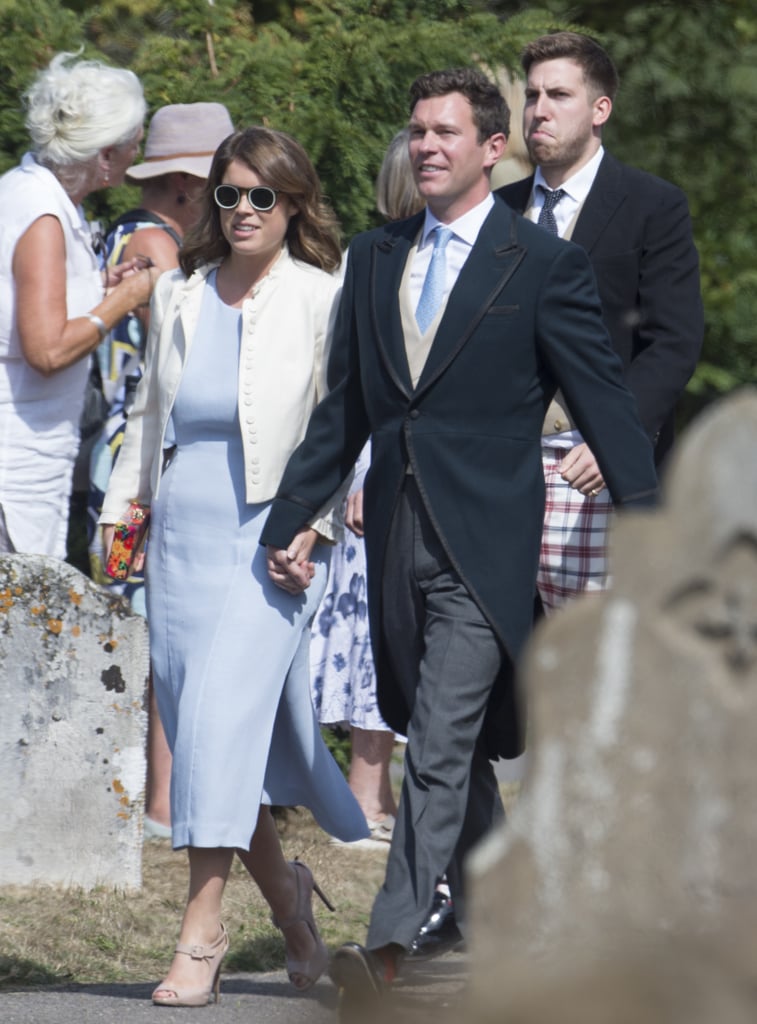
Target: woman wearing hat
181,141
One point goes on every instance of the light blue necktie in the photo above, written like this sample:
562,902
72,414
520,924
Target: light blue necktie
433,285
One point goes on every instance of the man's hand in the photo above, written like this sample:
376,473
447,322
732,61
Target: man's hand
353,514
579,468
290,568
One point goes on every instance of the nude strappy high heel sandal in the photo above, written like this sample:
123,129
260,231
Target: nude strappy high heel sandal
303,974
212,955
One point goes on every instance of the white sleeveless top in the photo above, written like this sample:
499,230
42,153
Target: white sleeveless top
39,416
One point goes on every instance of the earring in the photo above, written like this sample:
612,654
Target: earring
181,198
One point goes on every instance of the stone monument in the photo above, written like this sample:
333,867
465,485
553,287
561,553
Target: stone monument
73,671
636,831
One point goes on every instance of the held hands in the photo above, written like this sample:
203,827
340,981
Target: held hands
579,468
290,568
138,274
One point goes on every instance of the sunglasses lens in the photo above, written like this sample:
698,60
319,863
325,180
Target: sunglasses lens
227,196
262,198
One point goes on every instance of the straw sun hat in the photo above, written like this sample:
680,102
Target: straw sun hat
183,137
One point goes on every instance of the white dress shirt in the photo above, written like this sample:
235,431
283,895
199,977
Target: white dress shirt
576,189
465,232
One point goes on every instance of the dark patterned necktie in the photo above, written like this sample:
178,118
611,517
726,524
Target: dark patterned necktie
547,217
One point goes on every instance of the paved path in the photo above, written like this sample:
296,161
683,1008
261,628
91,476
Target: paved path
423,993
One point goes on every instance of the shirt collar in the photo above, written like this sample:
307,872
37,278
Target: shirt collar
579,184
465,228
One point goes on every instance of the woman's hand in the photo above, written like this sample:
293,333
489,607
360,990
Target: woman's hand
137,277
290,568
50,341
114,275
353,513
108,534
109,530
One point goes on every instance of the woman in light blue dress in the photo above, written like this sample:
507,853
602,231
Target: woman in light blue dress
236,361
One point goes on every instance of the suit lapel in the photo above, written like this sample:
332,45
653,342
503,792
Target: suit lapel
517,195
493,259
605,196
388,257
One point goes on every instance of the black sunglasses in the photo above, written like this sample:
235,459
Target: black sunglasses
261,197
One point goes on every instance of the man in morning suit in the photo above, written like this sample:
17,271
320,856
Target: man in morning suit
637,231
455,328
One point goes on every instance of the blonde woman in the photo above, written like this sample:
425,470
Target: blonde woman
85,123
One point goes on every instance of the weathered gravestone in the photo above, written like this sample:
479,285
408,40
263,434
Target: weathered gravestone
73,670
637,825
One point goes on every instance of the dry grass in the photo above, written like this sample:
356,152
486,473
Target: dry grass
50,935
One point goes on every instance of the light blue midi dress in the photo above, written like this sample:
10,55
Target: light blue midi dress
229,649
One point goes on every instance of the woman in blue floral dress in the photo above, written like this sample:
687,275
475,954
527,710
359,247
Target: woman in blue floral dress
343,680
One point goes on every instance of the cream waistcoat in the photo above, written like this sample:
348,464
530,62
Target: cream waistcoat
558,419
417,345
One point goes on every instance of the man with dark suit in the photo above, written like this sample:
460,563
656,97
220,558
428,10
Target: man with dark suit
454,329
637,231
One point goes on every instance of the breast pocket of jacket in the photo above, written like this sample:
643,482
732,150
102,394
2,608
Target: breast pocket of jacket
502,311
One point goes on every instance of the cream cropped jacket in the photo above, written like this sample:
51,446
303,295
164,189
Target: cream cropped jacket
286,329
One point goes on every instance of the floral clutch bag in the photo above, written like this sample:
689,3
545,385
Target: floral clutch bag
128,538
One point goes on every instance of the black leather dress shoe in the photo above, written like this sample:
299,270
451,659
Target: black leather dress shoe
359,975
439,932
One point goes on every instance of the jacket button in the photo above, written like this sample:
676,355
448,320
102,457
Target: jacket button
414,414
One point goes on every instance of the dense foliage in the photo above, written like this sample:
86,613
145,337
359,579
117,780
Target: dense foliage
688,112
335,73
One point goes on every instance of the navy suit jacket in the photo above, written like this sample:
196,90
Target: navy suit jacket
637,231
523,317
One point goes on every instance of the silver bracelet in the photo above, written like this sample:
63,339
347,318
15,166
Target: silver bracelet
99,323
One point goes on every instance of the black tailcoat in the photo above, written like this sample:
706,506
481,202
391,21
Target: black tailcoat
523,317
637,231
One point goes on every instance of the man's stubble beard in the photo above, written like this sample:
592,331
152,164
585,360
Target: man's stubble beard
556,154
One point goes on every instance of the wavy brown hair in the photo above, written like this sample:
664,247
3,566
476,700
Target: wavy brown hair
281,163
